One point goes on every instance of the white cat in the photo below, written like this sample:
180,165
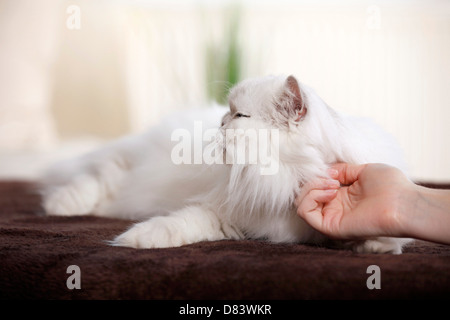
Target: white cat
137,178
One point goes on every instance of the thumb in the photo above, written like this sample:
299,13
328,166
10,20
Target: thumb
348,173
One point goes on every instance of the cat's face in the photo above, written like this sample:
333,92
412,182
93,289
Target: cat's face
262,112
269,102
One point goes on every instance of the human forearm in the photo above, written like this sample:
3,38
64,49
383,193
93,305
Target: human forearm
426,215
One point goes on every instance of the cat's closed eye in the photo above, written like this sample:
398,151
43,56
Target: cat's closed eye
240,115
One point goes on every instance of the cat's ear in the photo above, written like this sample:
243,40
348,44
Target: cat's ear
296,102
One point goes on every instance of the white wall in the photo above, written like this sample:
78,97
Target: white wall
133,61
389,62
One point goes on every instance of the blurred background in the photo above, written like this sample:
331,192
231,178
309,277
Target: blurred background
75,74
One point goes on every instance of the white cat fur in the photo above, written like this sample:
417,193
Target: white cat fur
135,177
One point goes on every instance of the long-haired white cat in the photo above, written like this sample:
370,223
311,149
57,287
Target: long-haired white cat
199,200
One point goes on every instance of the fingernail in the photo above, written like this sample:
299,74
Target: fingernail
331,191
333,173
333,183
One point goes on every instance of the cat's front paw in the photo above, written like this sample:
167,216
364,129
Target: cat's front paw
158,232
381,245
76,198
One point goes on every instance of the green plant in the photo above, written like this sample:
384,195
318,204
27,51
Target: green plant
223,58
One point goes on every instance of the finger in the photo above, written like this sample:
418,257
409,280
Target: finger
323,196
310,208
314,200
318,184
348,173
322,184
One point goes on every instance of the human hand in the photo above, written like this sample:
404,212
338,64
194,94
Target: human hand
368,204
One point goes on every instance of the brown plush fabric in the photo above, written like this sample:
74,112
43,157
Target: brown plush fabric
35,251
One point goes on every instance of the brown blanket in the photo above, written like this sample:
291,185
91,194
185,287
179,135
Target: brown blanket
36,250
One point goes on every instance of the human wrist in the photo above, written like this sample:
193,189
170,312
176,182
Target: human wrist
409,213
397,220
